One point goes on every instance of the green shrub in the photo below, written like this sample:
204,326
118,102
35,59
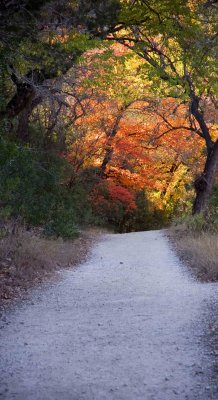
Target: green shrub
145,217
63,225
212,215
33,188
203,222
192,223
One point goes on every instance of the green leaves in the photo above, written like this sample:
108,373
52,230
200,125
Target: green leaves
175,38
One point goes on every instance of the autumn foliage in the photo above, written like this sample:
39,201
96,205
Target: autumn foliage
112,123
112,202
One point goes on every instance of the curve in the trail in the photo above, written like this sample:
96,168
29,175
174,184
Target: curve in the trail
128,324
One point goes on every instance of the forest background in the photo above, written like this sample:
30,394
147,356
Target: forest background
108,115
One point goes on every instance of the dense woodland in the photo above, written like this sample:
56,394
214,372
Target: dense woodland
108,113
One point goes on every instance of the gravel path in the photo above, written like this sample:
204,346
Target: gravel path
128,324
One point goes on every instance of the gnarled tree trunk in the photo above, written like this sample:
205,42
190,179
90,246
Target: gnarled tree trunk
109,144
204,183
22,132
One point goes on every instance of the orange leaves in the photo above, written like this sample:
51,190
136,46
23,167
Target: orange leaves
133,145
145,144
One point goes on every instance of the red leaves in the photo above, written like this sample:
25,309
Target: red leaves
111,201
120,194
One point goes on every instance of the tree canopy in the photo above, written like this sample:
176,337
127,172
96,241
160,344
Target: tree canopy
116,101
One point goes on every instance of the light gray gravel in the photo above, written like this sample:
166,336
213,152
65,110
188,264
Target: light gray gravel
128,324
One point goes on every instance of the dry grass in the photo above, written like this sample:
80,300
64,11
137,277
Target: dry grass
27,259
200,252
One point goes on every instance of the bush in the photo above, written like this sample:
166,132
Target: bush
125,211
112,204
29,183
192,223
203,222
63,225
145,217
212,216
33,188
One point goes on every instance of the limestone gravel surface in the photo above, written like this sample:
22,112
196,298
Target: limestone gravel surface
128,324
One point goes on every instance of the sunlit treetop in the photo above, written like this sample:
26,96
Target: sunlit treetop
177,38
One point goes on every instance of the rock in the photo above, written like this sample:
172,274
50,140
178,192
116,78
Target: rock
12,269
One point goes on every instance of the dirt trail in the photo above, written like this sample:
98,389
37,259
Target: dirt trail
128,324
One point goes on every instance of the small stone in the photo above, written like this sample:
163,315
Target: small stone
12,269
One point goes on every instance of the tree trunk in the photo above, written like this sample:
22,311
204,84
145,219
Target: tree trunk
23,125
109,145
22,132
107,158
204,183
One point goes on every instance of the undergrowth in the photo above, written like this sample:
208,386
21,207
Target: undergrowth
196,240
